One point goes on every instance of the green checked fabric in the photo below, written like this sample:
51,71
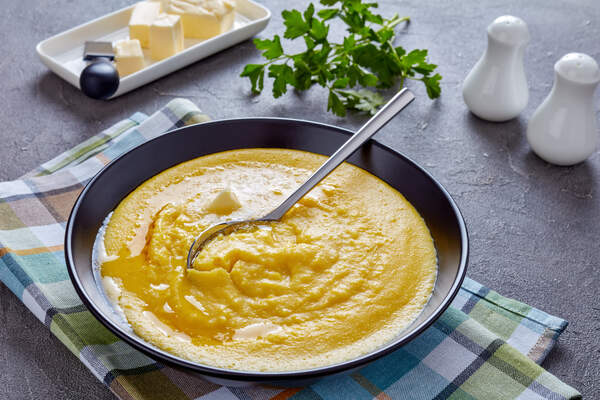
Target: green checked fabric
484,346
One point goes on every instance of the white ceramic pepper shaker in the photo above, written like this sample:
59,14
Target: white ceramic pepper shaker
496,88
563,129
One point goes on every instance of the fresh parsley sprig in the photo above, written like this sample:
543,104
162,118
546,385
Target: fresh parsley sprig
367,57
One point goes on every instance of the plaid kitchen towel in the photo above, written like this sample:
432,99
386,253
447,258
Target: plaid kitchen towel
485,346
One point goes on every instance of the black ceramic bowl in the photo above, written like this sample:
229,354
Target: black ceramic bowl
104,192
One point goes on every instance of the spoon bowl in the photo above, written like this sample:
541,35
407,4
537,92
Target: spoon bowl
210,233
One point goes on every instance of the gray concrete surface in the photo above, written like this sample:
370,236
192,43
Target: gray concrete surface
535,228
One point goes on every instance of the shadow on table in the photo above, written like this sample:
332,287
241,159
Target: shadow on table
579,181
71,100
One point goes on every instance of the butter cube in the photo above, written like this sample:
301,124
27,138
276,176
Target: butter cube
164,4
203,19
225,203
142,16
129,56
166,36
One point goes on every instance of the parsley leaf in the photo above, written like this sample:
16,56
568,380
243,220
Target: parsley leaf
295,24
432,83
256,73
335,105
363,100
327,13
272,48
351,71
283,75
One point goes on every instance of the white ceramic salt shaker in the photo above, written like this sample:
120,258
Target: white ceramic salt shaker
496,88
563,129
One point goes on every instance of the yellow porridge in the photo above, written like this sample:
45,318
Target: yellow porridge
345,270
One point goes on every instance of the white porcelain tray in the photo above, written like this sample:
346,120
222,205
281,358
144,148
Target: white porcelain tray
63,53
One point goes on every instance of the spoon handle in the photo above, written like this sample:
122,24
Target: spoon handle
393,107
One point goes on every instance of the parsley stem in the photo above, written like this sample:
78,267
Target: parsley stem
390,23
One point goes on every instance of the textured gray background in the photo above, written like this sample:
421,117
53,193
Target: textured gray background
534,228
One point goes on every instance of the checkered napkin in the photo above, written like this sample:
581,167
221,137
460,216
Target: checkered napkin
484,346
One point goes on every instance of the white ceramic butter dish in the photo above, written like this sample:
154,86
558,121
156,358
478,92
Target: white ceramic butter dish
63,53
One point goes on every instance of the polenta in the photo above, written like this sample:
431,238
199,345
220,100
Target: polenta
343,272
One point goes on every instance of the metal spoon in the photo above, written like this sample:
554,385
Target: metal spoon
393,107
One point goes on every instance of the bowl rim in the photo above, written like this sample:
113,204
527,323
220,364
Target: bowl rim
258,376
